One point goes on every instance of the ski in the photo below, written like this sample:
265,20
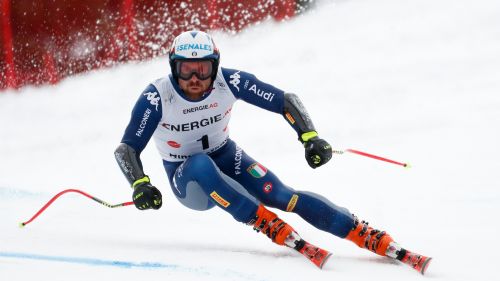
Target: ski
417,262
414,260
313,253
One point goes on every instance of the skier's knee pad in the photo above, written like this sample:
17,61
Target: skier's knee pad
199,184
185,185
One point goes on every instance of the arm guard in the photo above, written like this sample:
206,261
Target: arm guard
297,116
129,163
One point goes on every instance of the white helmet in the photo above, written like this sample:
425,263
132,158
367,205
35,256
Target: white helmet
194,45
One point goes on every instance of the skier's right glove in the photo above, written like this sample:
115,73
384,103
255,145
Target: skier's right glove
145,195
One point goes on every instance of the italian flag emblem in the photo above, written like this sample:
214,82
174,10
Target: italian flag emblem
257,170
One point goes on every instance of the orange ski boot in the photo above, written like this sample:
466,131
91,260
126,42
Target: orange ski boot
366,237
382,244
282,233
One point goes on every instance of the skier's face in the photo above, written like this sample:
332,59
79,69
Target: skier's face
194,77
194,88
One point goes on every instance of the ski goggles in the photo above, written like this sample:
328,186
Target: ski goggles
202,69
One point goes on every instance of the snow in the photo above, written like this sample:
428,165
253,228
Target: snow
414,81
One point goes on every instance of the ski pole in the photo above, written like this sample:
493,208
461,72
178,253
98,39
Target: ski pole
77,191
406,165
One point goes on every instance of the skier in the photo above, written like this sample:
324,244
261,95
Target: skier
187,113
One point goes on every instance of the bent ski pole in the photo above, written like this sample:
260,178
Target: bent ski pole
406,165
77,191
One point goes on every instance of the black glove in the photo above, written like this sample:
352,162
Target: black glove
318,152
146,196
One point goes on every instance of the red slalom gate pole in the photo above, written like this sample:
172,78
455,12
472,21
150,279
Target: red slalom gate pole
76,191
128,15
406,165
8,44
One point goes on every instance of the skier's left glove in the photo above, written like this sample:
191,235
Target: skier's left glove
318,151
145,195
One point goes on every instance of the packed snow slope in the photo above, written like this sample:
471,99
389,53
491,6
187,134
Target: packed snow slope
416,81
